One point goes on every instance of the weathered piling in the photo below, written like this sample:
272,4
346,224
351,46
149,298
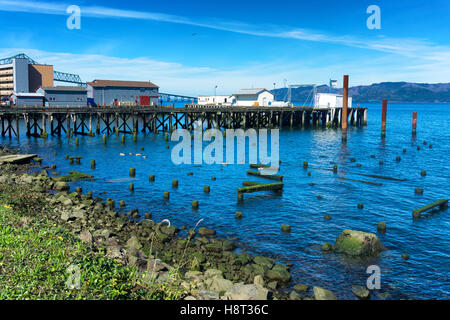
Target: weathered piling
344,109
262,187
442,204
238,215
123,139
132,187
151,178
166,195
174,183
122,203
423,173
305,164
78,159
285,228
71,160
206,189
335,168
77,141
381,227
67,157
104,139
414,123
132,172
195,204
79,190
383,118
92,164
418,191
266,176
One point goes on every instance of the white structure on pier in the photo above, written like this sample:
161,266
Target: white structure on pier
259,97
215,100
330,100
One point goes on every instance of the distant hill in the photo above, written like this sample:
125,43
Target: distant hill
393,91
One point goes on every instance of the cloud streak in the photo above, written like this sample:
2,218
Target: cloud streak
411,48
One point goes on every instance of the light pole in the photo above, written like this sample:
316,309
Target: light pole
215,94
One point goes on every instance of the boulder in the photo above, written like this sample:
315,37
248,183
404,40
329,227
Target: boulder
61,186
220,285
133,243
259,280
242,291
86,237
264,261
301,287
323,294
358,243
361,292
212,273
203,232
278,273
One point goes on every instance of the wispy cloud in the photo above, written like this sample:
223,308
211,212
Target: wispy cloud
412,48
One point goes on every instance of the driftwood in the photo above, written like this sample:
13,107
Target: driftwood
266,176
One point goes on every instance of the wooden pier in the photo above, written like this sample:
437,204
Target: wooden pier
56,121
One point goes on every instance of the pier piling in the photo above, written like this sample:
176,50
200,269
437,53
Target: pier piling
414,123
345,109
383,118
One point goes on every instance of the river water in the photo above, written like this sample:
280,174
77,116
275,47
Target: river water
425,275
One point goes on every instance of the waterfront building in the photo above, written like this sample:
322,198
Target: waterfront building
253,98
27,99
215,100
122,93
64,96
330,100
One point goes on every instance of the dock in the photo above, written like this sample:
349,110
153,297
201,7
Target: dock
17,158
58,121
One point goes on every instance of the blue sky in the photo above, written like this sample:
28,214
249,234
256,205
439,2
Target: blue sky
189,47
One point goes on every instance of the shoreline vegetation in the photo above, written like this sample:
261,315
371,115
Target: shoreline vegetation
57,244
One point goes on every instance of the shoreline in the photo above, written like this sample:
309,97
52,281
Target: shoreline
207,266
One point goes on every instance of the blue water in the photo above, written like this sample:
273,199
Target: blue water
425,275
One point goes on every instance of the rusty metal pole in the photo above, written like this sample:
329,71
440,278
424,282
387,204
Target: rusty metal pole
383,118
414,123
344,109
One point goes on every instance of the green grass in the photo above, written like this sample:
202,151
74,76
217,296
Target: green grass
39,260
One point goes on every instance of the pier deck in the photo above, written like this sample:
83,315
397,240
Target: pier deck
129,120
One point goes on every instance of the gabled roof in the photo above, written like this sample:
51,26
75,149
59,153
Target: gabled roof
121,83
254,91
64,88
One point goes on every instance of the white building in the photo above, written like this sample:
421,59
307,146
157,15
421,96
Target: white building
259,97
330,100
215,100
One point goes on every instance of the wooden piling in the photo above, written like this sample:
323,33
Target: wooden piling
92,164
344,109
166,195
174,183
206,189
383,118
414,123
151,178
104,139
132,187
195,204
132,172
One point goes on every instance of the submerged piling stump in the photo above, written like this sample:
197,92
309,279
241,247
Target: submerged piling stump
132,172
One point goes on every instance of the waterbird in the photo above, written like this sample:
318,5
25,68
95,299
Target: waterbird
122,154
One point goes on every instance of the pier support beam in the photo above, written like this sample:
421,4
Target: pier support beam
414,123
383,118
344,109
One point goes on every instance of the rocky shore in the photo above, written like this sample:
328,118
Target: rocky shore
203,265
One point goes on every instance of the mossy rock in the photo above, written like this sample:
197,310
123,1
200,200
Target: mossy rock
243,259
264,261
358,243
199,256
74,176
213,247
278,273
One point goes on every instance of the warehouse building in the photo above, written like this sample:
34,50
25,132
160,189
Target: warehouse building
122,93
253,98
64,96
27,99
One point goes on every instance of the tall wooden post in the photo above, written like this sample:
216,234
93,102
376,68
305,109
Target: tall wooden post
414,123
383,118
344,109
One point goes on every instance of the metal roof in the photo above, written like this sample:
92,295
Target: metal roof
254,91
64,88
28,94
121,83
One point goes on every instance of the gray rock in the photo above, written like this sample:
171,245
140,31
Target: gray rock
358,243
294,296
241,291
86,237
133,243
323,294
61,186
